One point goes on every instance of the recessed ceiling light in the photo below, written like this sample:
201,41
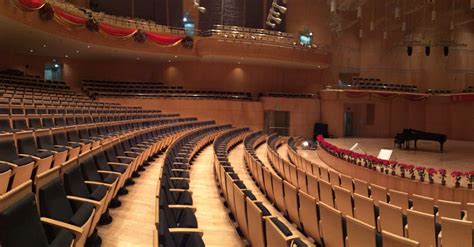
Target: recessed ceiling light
138,58
88,46
175,56
54,60
238,62
319,66
77,51
44,46
32,51
169,61
66,56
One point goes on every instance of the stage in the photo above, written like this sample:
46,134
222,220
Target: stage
457,155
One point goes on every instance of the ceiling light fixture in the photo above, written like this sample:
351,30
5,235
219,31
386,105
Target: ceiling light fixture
77,52
44,46
274,14
66,56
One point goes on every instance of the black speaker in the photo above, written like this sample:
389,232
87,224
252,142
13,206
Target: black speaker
409,50
321,129
446,51
427,50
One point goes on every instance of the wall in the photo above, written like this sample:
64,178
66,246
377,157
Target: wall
435,114
304,113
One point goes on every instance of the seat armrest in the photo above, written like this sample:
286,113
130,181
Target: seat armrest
130,152
179,170
8,163
46,150
77,231
117,163
186,231
179,206
179,178
125,157
81,199
98,183
61,146
181,190
109,172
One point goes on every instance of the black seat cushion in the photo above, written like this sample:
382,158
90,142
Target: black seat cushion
73,145
262,208
298,243
59,149
63,238
98,193
283,228
4,168
23,161
250,195
110,178
21,225
82,214
240,184
43,154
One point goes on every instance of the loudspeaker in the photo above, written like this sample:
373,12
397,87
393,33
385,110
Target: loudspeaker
427,50
321,129
409,50
446,50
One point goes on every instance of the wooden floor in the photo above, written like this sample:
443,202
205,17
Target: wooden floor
134,222
211,213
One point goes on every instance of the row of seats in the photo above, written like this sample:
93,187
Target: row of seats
63,206
354,203
468,89
154,90
254,220
32,82
176,224
375,84
27,153
287,95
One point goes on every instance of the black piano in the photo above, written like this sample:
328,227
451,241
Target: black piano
404,138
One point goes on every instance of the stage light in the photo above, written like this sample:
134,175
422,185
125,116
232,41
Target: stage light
274,13
275,19
446,51
385,35
202,9
409,50
404,27
272,25
427,50
359,12
279,7
433,15
361,33
372,26
333,6
56,65
397,12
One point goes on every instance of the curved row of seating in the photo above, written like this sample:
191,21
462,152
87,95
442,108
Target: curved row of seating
253,219
176,224
63,205
340,210
271,183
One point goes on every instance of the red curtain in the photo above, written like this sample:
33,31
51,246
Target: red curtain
415,97
469,97
168,40
117,32
67,18
32,4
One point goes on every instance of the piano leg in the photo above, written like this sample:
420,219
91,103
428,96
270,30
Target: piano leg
415,145
442,145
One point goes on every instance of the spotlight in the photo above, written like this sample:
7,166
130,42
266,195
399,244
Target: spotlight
56,65
409,50
275,19
446,51
272,25
427,50
274,13
280,8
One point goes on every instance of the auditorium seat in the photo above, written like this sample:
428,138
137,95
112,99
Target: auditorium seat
267,179
423,204
390,219
343,201
449,209
313,187
326,194
394,240
22,226
400,199
292,203
44,141
60,140
331,225
421,227
176,237
27,148
72,136
21,167
256,218
5,174
455,233
302,183
346,182
378,194
364,209
278,192
55,204
278,234
309,217
334,178
360,234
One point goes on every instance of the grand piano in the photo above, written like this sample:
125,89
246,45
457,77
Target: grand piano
404,138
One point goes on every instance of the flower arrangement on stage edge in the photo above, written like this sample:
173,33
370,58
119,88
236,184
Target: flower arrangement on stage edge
46,13
470,178
457,175
431,172
393,166
421,172
442,175
411,170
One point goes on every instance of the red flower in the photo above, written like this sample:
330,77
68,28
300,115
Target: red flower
442,171
456,174
420,168
431,171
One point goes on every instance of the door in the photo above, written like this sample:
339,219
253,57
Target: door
347,124
277,121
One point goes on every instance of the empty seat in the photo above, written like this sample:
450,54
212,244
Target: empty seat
309,216
44,142
421,228
326,193
455,233
22,167
256,215
400,199
449,209
360,234
291,202
378,193
364,209
22,226
331,225
361,187
390,219
27,148
277,233
343,200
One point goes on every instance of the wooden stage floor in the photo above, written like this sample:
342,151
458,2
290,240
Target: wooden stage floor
457,155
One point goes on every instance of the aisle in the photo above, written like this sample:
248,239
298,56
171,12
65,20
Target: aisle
134,221
236,159
211,213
